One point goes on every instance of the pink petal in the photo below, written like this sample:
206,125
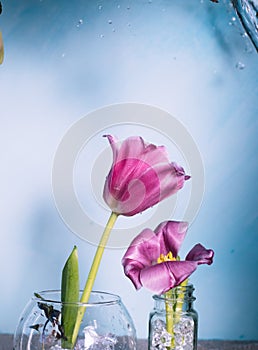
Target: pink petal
140,260
181,270
114,145
162,277
132,270
144,249
136,147
156,278
170,236
140,177
200,254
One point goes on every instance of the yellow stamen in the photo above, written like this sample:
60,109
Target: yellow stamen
169,257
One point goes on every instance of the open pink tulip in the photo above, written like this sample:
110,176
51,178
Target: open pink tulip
141,176
141,258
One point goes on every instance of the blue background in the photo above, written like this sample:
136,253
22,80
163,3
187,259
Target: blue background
64,59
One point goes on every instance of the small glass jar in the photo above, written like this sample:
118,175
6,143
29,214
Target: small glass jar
106,324
173,323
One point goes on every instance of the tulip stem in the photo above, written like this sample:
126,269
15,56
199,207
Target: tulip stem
92,274
169,304
174,300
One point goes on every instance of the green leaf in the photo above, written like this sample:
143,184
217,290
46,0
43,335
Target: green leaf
37,295
1,49
69,294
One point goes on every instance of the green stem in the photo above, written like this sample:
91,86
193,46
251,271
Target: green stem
92,274
169,314
169,311
180,300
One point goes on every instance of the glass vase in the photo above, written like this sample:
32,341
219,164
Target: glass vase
247,11
173,323
106,324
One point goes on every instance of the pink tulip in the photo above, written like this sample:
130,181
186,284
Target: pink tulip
140,177
141,258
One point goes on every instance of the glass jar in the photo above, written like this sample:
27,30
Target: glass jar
106,324
173,323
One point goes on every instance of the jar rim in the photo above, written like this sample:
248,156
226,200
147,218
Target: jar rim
105,298
183,289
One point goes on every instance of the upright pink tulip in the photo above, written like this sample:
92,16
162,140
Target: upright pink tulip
142,263
141,176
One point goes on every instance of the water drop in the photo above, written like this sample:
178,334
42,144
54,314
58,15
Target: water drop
232,22
128,8
100,7
248,48
80,22
101,36
110,21
240,65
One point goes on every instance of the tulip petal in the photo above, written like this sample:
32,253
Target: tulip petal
162,277
114,145
144,249
156,278
132,270
141,256
140,177
181,270
200,254
170,236
136,147
140,260
132,147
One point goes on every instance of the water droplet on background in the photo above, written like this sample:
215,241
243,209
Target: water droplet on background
80,22
232,22
240,65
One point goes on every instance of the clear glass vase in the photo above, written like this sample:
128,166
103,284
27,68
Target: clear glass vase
173,323
106,324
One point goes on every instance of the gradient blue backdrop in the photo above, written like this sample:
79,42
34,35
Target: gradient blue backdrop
64,59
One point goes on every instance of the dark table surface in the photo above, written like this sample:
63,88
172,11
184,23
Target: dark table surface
6,344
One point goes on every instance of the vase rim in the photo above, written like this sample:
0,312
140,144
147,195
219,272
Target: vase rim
106,298
189,288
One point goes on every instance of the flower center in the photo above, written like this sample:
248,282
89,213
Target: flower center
169,257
